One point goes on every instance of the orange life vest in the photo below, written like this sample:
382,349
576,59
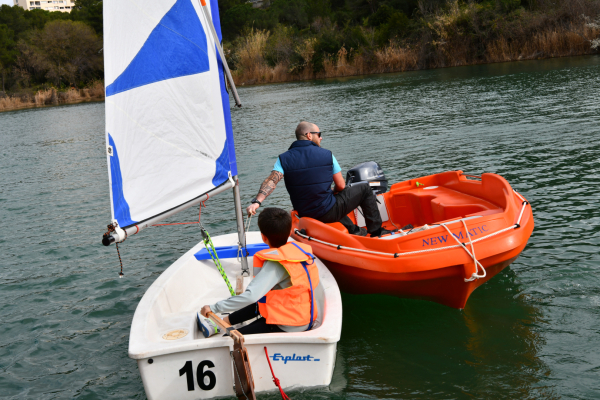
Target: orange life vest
295,305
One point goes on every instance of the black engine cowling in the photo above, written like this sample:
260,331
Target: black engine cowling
370,172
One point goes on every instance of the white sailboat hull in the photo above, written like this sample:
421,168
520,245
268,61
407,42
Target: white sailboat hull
193,367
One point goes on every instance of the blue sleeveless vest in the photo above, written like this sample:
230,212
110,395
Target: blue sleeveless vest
308,175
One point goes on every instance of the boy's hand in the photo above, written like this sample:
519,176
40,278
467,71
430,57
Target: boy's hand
205,310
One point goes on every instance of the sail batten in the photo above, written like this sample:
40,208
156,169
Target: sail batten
168,124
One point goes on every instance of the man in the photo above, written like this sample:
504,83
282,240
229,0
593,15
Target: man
309,171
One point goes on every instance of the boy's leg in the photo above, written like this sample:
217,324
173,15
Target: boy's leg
244,314
258,326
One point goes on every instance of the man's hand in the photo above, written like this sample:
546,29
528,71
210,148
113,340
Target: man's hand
339,182
266,189
205,310
251,210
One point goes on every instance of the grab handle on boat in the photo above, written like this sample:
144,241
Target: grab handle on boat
472,176
225,327
244,382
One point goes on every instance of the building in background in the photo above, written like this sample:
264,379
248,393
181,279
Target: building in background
48,5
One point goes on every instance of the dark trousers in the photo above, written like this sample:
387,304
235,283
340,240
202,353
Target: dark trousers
350,198
258,326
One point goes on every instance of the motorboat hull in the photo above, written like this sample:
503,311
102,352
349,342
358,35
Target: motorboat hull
446,287
424,265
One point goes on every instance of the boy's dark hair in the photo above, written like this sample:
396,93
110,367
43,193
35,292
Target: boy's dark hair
276,225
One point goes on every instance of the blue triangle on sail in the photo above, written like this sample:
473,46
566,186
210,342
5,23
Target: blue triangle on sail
222,164
176,47
120,205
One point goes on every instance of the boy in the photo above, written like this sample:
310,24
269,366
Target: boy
286,293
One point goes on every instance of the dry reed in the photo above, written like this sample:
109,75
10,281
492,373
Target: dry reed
51,96
443,50
395,59
546,44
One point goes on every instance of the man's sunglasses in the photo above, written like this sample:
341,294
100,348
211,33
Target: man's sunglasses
316,133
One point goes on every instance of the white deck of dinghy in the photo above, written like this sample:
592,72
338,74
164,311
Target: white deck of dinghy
174,298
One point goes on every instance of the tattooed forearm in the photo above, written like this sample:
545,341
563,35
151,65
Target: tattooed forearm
269,185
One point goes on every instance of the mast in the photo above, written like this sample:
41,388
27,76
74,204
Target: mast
220,49
239,216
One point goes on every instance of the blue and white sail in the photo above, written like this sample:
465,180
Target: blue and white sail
168,124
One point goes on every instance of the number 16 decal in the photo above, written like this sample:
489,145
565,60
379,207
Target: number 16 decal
200,375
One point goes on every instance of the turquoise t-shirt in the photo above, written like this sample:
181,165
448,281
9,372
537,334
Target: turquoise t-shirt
336,167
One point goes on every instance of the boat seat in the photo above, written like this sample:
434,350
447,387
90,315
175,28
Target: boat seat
436,203
449,204
335,225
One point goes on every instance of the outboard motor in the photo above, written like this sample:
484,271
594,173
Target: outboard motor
370,172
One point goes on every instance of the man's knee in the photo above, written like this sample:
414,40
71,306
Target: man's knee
366,190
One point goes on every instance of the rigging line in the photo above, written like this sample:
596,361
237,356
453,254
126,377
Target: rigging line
210,248
187,223
111,228
177,206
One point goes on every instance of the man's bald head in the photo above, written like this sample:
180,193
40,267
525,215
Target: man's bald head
303,128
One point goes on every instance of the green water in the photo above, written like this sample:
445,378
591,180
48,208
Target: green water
531,332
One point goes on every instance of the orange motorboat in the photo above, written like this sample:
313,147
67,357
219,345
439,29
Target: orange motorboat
455,232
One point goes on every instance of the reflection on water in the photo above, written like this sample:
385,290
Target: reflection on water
530,332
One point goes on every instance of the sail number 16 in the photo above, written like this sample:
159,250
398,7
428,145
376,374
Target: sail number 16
200,375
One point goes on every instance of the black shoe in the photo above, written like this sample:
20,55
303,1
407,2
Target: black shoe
381,232
360,232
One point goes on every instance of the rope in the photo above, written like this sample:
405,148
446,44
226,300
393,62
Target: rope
475,261
396,255
187,223
210,247
238,375
275,380
111,228
208,244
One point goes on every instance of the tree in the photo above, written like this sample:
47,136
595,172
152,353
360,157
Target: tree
90,12
8,51
64,52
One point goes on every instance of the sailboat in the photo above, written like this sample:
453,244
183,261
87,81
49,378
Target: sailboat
170,146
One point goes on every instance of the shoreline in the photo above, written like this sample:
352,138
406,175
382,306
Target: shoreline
319,77
553,42
31,106
51,98
17,104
